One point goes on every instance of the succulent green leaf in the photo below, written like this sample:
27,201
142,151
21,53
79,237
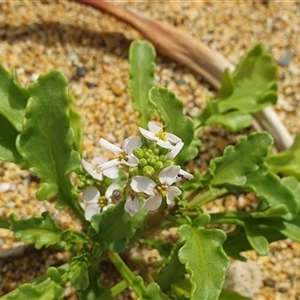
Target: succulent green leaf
293,185
252,85
94,288
115,227
46,142
250,88
142,66
232,295
204,260
13,99
287,162
269,188
76,124
257,241
153,292
171,111
239,160
79,271
233,121
48,290
42,231
8,135
172,271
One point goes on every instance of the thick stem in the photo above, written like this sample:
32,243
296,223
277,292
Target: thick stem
136,282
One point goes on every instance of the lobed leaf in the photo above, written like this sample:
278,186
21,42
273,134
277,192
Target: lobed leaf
8,135
204,260
250,88
142,66
115,227
232,295
153,292
171,111
172,271
46,141
286,162
49,290
79,271
239,160
42,231
13,99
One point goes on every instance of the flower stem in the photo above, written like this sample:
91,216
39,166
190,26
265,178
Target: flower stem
136,282
114,291
207,197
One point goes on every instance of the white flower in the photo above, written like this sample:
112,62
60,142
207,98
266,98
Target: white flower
96,203
167,177
132,205
4,187
94,168
124,154
162,138
183,176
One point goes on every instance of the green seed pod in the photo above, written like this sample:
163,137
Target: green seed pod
168,163
143,162
152,160
139,152
159,165
148,171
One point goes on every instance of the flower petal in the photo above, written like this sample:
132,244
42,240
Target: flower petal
165,144
148,134
172,193
132,205
111,188
142,184
130,144
91,210
111,173
109,146
91,194
183,175
4,187
90,169
175,150
169,174
111,163
131,162
153,127
99,160
152,203
173,138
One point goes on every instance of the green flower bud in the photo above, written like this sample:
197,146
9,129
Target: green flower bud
159,165
168,163
148,153
152,160
143,162
133,171
148,171
139,152
89,182
156,151
152,145
163,158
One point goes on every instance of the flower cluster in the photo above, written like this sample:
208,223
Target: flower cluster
149,162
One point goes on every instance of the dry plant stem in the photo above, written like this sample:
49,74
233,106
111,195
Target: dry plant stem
184,49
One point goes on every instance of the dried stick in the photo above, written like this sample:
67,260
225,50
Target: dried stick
184,49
